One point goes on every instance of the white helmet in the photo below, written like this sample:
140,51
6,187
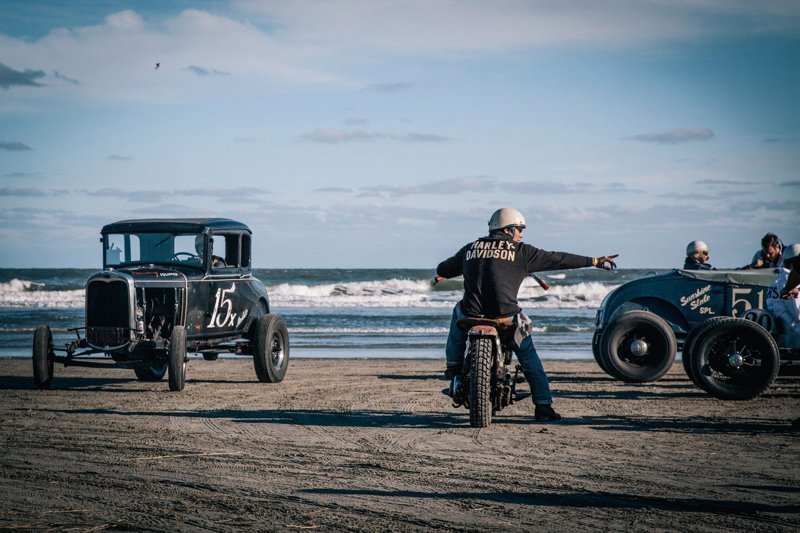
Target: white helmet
695,248
790,253
507,216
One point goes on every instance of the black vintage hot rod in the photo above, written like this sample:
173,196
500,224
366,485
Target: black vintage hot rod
169,286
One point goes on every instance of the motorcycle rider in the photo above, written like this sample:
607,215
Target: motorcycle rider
697,257
494,268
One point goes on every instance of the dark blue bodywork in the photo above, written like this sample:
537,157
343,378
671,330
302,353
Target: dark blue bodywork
685,298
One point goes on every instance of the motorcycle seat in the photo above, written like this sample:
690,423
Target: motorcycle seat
498,323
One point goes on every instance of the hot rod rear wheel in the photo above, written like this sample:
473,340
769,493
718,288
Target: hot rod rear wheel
43,357
153,372
480,383
271,359
177,358
689,343
638,346
735,359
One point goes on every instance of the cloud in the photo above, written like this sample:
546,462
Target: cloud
14,146
61,77
114,157
21,175
415,26
11,78
334,189
340,136
558,187
713,182
789,184
30,192
449,186
388,87
200,71
674,136
240,193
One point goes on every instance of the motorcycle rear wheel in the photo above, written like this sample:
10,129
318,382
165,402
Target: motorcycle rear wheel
480,383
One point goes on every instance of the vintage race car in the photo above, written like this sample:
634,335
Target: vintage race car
169,286
731,347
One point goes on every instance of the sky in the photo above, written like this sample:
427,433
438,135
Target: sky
384,133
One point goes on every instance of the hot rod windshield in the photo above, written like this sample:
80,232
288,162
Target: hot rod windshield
128,249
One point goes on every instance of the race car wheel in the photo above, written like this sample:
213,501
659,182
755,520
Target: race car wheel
177,358
637,347
43,357
211,356
596,339
688,344
153,372
271,359
735,359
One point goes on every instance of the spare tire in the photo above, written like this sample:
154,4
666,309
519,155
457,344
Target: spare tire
735,359
638,346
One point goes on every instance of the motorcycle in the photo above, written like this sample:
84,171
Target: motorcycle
486,384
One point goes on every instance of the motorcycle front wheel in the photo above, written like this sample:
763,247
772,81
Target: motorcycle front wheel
480,382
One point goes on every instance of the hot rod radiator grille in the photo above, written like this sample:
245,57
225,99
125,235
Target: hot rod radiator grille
107,304
106,336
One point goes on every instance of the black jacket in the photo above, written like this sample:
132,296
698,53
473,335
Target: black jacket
494,268
692,264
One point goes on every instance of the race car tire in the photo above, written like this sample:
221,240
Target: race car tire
735,359
152,372
688,344
43,357
271,358
596,339
212,356
637,347
177,359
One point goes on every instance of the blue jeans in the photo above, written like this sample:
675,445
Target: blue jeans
526,354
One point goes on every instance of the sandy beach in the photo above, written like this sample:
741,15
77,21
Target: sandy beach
370,445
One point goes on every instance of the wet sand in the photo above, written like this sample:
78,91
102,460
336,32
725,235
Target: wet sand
371,445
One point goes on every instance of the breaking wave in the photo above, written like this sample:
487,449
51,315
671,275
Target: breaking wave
379,293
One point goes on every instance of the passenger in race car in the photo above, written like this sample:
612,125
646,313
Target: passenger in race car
786,310
697,257
770,255
494,268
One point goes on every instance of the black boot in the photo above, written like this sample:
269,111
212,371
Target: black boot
545,413
451,372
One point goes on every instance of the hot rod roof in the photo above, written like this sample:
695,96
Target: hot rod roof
188,225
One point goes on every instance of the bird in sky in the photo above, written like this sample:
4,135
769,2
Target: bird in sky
158,66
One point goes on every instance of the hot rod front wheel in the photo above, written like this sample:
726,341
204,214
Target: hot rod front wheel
177,358
735,359
271,359
43,357
637,347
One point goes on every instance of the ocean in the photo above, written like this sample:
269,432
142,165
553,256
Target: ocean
353,313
